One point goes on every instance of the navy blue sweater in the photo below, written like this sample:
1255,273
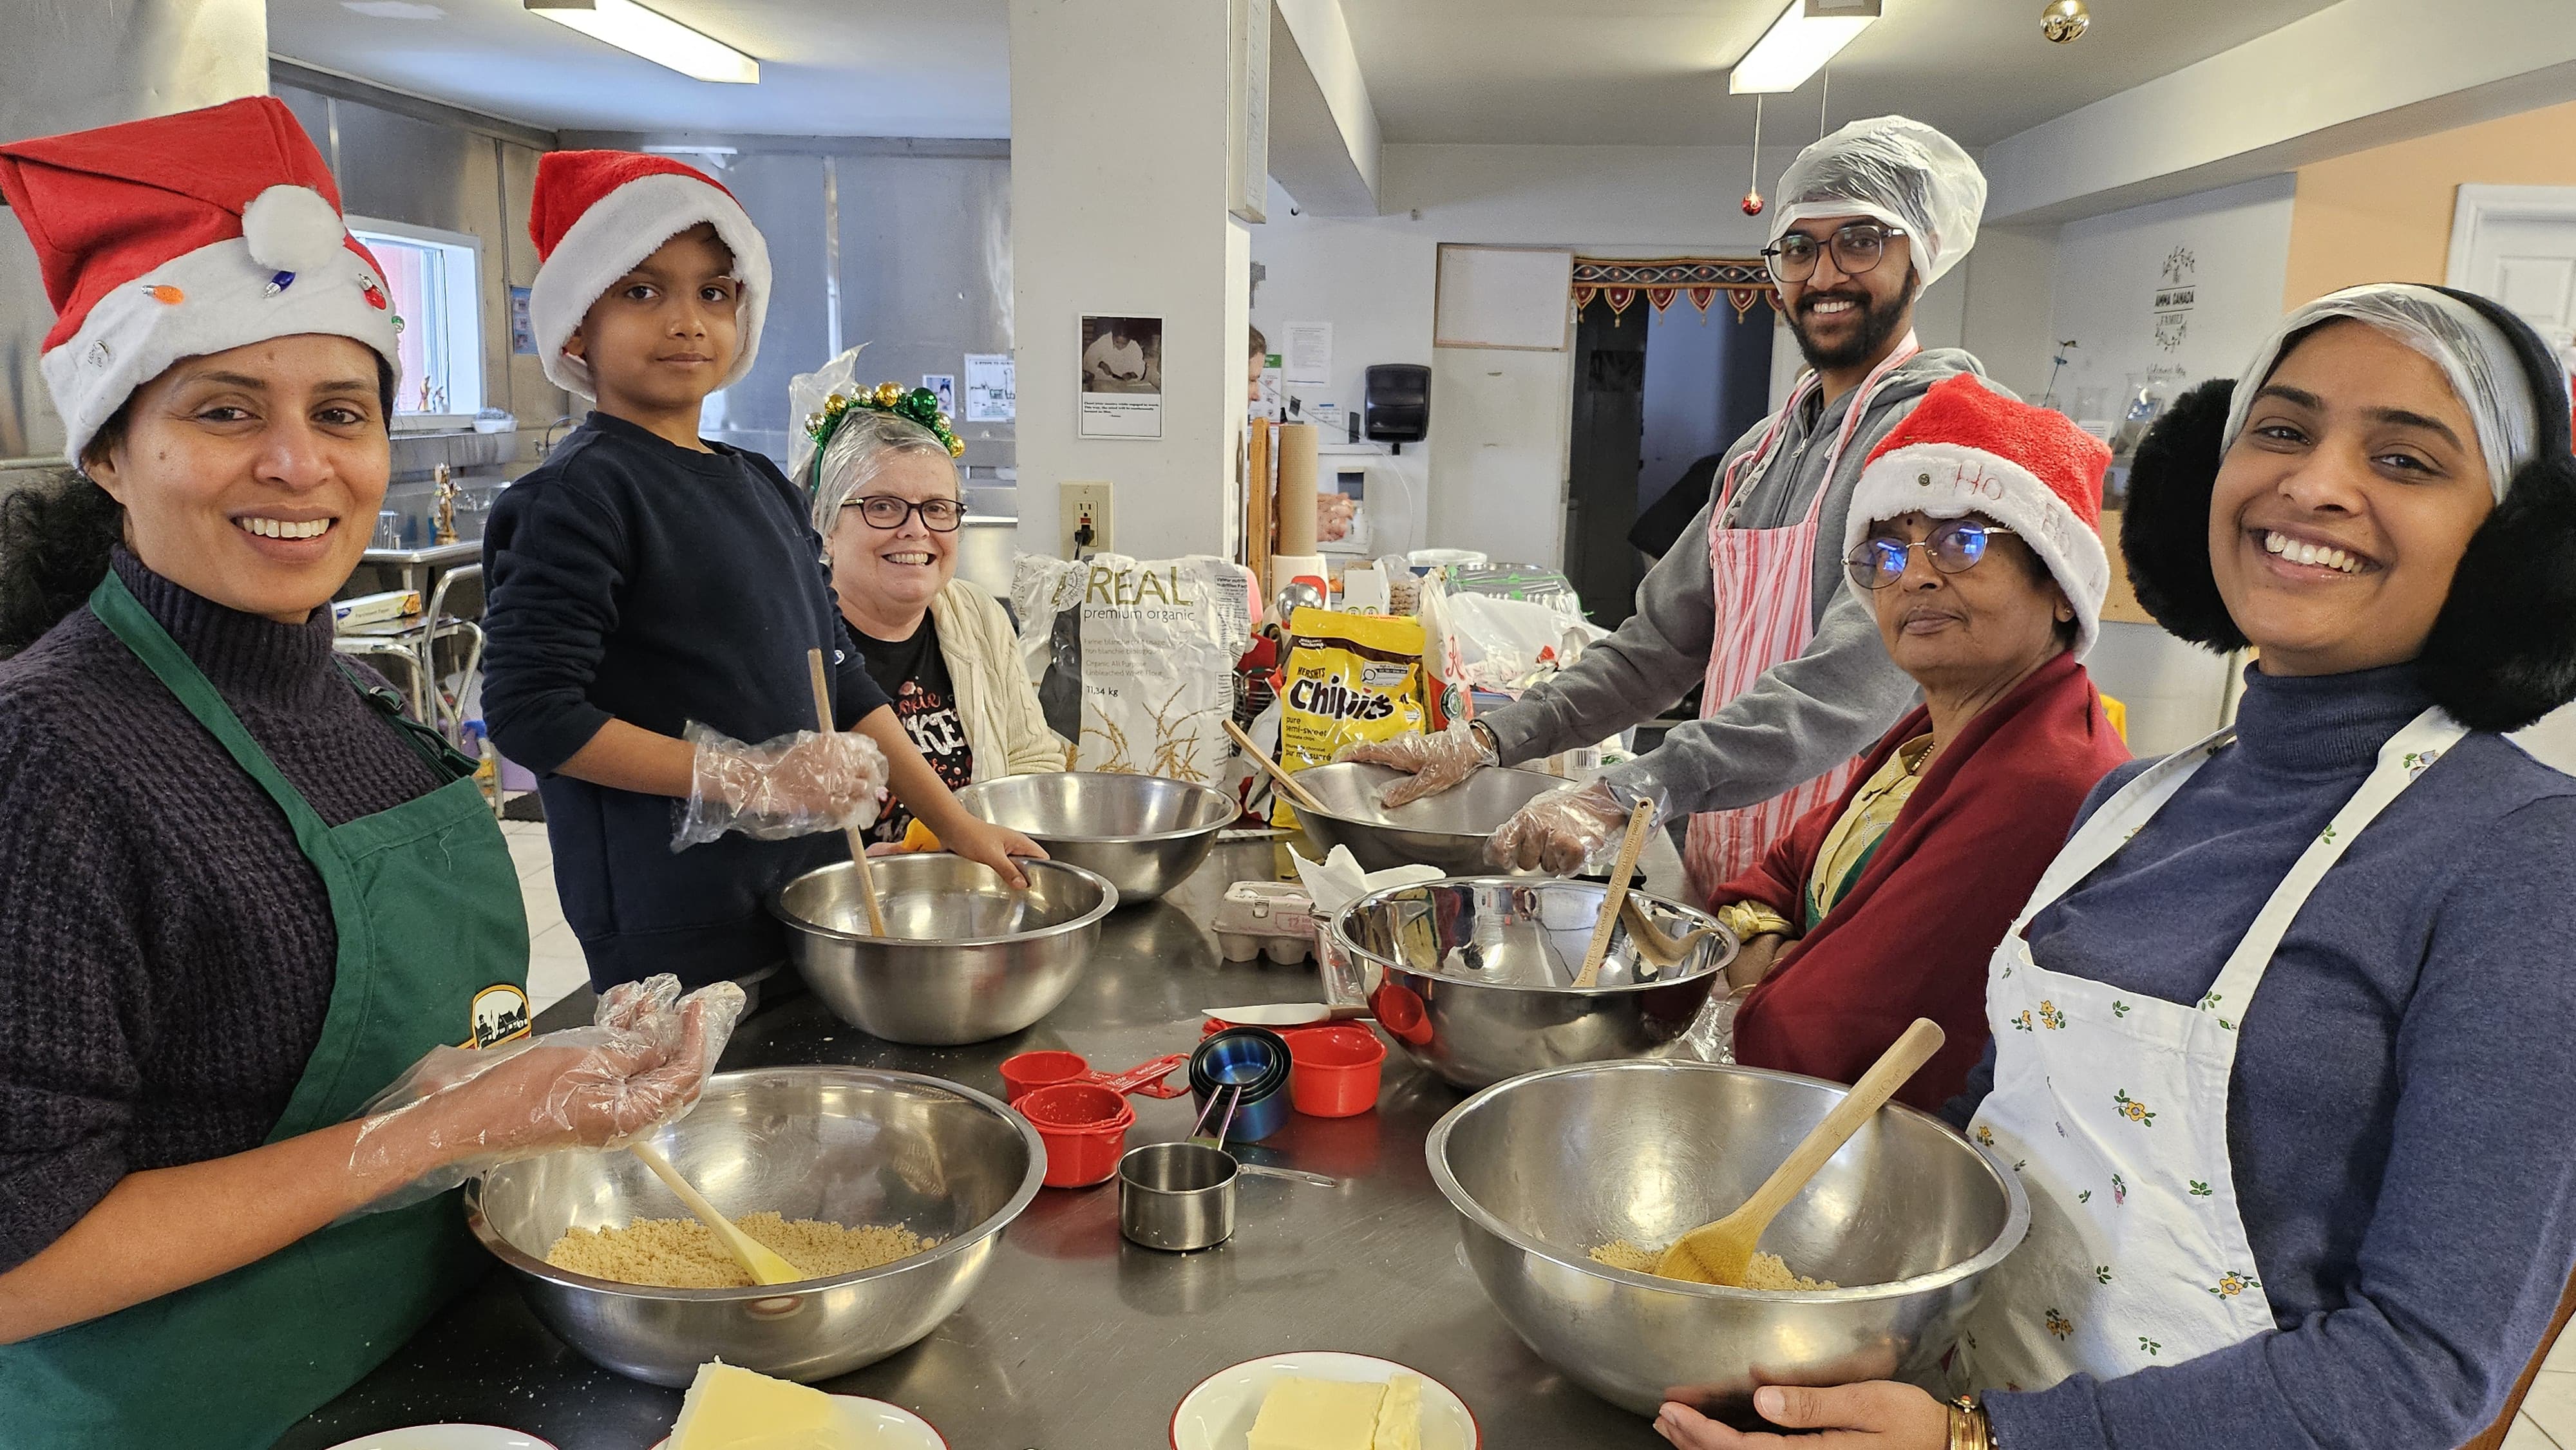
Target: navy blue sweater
2397,1118
633,579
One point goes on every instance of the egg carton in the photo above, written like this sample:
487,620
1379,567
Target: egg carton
1273,919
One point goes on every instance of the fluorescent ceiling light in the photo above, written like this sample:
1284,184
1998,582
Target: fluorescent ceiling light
657,38
1798,45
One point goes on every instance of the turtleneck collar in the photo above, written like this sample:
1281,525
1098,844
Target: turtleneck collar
249,658
2326,725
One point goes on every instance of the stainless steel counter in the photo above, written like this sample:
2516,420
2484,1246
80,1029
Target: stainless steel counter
1078,1340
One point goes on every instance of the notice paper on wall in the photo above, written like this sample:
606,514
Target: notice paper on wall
991,393
1308,362
944,387
1122,377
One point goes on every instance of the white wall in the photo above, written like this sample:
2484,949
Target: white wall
2110,268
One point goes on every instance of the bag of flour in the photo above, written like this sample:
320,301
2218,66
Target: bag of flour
1134,658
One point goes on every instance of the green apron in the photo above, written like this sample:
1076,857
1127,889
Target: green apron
433,950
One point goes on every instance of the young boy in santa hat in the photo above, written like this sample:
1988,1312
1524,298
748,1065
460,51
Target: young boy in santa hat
654,597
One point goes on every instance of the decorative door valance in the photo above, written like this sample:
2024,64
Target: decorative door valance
1621,280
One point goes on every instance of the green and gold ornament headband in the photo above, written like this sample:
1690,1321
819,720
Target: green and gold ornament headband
920,405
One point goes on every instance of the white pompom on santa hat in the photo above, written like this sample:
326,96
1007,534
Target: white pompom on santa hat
180,236
597,215
1967,449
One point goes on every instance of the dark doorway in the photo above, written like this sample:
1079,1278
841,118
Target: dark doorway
1653,394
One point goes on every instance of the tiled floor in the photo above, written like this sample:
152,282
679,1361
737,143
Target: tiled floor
2548,1419
555,965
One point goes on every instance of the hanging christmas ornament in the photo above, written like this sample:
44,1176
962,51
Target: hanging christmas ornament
1752,202
2064,21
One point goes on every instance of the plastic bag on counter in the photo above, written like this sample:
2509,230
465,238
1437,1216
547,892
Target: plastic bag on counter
1347,678
1476,641
1134,659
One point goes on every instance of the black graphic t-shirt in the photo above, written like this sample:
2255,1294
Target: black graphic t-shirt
925,700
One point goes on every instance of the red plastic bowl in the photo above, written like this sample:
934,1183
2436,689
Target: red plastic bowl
1029,1071
1333,1071
1084,1127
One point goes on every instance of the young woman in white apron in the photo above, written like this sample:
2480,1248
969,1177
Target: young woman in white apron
2282,1039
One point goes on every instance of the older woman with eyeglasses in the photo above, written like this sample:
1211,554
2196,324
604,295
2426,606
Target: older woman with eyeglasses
1972,539
886,502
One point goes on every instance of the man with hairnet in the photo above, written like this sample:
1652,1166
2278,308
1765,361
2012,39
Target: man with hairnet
1752,603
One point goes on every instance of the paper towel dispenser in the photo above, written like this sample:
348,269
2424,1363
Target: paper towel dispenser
1396,408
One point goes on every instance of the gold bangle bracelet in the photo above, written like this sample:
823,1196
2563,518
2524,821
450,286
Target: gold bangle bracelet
1969,1428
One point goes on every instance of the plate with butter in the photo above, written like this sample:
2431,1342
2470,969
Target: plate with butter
729,1408
1322,1400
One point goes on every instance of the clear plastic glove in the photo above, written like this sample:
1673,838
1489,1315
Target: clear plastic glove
1573,831
460,1112
792,786
1435,762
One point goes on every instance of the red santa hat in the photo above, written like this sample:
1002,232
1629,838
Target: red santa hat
184,235
1966,449
597,215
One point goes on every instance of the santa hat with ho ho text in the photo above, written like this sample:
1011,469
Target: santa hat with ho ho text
597,215
1966,449
184,235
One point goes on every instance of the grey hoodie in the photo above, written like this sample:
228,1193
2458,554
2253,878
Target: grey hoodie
1804,716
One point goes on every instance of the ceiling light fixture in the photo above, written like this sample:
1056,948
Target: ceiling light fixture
1806,36
657,38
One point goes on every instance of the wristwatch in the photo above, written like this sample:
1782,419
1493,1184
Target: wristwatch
1489,750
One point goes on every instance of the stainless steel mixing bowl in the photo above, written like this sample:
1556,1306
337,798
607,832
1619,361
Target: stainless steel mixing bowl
964,958
1545,1168
1447,830
1478,974
843,1144
1145,833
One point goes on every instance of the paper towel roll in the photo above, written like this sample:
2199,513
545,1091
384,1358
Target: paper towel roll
1296,488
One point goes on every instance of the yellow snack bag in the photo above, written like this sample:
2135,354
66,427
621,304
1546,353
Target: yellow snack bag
1347,678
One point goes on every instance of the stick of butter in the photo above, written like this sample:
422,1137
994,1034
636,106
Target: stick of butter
731,1408
1399,1416
1304,1414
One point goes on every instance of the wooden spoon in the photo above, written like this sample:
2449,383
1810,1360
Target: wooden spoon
1630,847
757,1259
1278,773
858,837
1718,1253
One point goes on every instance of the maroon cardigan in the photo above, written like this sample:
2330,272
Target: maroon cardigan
1913,937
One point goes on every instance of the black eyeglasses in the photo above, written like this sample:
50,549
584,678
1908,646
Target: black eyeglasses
1953,547
1858,248
885,511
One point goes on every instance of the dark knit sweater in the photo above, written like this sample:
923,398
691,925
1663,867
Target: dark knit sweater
166,952
2396,1121
636,580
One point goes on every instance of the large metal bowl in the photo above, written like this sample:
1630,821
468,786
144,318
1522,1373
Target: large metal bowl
844,1144
1544,1168
1478,974
1145,833
1447,830
965,957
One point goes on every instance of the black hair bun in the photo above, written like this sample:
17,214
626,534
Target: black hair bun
2164,532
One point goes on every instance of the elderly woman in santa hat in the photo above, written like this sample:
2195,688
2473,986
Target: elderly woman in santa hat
2283,1041
1972,537
247,909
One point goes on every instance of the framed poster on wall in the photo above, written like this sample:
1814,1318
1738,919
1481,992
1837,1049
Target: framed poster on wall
1122,377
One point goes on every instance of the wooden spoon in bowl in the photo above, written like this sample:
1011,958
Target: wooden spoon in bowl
1719,1253
759,1260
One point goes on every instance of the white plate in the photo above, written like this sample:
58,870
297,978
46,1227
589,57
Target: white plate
1218,1415
871,1425
448,1437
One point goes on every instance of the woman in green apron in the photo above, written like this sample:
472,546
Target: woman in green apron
240,894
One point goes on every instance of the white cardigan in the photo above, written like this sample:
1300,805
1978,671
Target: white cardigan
996,704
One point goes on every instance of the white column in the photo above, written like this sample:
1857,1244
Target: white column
1118,208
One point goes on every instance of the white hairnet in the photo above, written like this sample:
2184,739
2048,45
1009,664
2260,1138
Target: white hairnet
1898,170
859,448
2473,353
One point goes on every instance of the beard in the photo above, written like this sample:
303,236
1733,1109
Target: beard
1880,320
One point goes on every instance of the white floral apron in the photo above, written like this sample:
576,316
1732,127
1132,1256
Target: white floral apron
2112,1107
1764,594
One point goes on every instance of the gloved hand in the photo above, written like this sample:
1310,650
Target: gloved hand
795,785
1567,832
1436,762
460,1112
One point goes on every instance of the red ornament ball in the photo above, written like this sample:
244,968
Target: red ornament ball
1752,203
